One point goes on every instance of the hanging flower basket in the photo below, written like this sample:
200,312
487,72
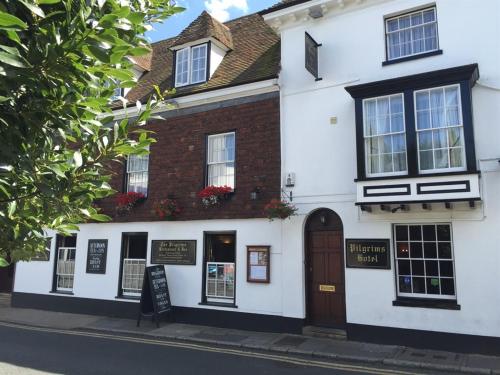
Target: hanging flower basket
278,209
127,201
166,209
213,195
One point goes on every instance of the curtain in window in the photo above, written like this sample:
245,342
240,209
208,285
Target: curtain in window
137,174
439,129
385,141
220,160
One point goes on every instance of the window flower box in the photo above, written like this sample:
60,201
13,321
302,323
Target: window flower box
166,209
214,195
127,201
279,209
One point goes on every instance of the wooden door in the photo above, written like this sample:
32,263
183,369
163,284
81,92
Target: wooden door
326,282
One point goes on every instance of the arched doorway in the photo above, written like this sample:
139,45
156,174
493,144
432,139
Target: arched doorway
325,274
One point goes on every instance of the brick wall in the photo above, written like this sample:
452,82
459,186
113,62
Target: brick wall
177,162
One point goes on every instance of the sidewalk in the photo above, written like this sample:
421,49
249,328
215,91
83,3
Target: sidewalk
273,342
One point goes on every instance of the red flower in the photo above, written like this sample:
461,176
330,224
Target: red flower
217,191
127,199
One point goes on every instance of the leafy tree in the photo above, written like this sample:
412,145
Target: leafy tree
60,61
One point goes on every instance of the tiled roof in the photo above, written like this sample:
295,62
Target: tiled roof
255,56
205,26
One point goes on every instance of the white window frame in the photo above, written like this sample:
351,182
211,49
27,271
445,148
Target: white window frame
177,54
365,137
198,47
461,126
409,14
189,51
59,274
133,276
129,172
222,162
396,265
225,296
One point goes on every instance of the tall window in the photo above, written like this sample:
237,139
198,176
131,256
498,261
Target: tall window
137,173
134,250
424,261
199,63
440,129
220,159
411,34
220,265
64,270
384,133
191,65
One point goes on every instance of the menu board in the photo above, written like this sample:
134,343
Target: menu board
174,252
96,256
155,298
258,264
368,253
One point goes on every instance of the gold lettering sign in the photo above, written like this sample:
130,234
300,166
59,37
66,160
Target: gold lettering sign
327,288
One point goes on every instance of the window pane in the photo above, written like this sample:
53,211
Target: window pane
433,285
416,250
400,162
448,287
441,159
456,158
401,233
431,268
405,284
446,268
399,143
394,47
429,232
416,19
423,119
392,25
440,138
422,100
375,164
451,94
418,285
417,267
418,40
387,165
415,233
430,250
426,160
444,250
429,15
444,233
403,250
404,267
425,140
385,144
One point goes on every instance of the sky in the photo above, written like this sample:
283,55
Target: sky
223,10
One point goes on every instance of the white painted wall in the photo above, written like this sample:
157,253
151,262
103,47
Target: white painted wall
185,282
323,156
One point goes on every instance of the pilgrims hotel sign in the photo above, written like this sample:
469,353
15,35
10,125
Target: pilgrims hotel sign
364,253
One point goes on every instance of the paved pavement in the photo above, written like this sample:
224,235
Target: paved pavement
311,347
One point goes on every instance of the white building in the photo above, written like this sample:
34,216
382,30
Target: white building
395,146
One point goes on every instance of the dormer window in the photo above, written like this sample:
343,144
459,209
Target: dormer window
191,65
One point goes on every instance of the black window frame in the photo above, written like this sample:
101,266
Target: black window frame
435,52
465,76
424,300
206,235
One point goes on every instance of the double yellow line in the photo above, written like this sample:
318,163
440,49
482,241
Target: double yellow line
223,350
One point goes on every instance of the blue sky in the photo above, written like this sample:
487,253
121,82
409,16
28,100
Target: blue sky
222,10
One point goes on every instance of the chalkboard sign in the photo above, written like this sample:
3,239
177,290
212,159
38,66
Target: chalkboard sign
368,253
96,256
311,53
173,252
155,299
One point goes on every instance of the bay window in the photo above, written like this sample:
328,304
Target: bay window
416,125
221,159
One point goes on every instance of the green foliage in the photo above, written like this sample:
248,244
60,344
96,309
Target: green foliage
60,61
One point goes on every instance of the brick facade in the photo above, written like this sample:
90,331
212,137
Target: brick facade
177,162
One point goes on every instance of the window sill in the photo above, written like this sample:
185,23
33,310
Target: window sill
128,298
413,57
427,303
218,304
397,177
62,292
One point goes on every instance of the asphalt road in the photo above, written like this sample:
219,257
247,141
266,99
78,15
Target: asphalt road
25,350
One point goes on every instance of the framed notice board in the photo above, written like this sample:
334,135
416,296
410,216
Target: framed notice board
96,256
258,264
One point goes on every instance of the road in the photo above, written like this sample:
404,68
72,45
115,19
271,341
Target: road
29,350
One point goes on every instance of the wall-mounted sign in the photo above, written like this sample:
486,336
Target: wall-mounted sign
327,288
155,298
311,53
258,264
96,256
368,253
173,252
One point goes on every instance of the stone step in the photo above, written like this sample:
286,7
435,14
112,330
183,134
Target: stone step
324,332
